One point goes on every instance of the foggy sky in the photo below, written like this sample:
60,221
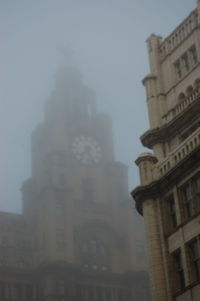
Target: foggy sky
108,38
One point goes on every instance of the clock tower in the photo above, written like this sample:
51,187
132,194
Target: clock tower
77,201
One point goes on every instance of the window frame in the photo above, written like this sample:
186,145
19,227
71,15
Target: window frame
179,270
194,259
177,67
186,61
193,55
187,200
190,206
171,212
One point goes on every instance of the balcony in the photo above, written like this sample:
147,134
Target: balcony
179,34
182,151
180,107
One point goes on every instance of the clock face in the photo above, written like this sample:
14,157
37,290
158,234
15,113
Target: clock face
87,150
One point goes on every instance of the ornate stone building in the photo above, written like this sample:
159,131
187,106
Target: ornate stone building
169,194
75,239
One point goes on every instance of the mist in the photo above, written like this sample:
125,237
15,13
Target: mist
73,109
108,41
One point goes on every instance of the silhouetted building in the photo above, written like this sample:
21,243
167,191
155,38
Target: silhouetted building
75,239
169,195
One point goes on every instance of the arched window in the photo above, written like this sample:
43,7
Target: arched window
181,97
189,90
94,255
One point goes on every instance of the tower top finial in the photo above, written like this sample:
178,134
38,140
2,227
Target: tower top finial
67,53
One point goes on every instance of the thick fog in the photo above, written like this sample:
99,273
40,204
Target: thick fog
108,41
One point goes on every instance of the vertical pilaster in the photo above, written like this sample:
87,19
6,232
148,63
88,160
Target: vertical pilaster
152,101
157,271
153,83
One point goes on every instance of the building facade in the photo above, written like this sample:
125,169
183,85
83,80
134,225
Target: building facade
169,194
75,238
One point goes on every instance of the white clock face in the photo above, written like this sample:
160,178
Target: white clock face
87,150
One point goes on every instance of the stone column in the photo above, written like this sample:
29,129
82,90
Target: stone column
156,262
150,83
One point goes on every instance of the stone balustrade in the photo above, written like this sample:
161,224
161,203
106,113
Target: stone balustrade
180,34
179,153
180,107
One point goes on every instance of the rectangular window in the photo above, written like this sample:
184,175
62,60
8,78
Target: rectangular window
197,182
197,193
88,189
193,55
179,279
187,200
177,66
194,259
185,60
171,219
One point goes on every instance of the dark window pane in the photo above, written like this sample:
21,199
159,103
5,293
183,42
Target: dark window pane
178,267
187,198
195,259
193,53
198,185
172,212
186,61
177,66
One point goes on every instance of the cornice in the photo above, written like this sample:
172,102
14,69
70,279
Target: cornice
157,188
173,127
149,77
146,157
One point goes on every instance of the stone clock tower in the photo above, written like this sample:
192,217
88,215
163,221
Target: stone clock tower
81,224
